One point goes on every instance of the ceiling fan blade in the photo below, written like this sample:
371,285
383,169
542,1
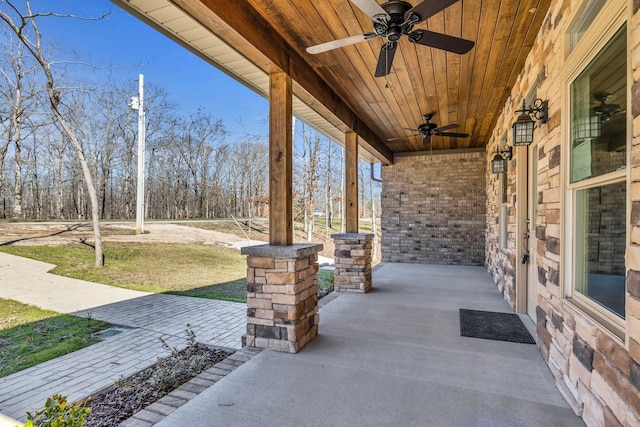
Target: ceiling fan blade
385,59
408,136
427,139
372,9
427,9
441,41
334,44
447,127
453,134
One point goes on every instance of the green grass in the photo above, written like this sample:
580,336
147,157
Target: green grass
237,290
29,335
181,269
231,291
325,279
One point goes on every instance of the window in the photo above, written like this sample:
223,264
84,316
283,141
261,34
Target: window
598,113
583,20
600,245
596,176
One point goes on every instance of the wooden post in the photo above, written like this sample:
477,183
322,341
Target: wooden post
280,160
351,182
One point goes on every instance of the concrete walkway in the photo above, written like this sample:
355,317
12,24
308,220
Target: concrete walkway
393,357
145,318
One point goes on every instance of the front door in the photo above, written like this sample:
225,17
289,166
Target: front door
530,238
526,242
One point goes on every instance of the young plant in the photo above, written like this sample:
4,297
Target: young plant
57,412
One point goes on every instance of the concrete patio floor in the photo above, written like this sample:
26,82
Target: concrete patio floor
392,357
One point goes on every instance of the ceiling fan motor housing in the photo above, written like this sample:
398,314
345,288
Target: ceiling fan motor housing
397,25
426,128
394,19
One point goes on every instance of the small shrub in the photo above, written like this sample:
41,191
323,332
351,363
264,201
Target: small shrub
180,366
134,393
58,413
325,283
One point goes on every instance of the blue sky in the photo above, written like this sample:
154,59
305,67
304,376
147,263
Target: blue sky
129,47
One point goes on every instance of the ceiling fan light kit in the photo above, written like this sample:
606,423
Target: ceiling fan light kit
395,19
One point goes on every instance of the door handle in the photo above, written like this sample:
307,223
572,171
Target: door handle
525,243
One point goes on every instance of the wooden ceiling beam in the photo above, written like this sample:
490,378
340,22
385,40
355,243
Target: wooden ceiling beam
244,20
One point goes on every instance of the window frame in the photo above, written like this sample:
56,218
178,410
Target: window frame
603,29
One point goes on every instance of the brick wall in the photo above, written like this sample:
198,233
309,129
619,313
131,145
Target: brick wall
598,374
433,209
607,228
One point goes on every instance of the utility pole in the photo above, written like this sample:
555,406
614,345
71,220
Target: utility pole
137,103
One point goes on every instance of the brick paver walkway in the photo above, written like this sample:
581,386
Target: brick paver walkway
87,371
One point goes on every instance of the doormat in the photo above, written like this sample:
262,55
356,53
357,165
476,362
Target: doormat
494,326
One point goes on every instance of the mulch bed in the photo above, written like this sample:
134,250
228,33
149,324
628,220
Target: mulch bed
132,394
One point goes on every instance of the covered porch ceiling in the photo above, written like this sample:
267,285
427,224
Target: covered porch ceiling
336,91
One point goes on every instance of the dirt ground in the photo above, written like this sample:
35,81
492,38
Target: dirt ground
53,234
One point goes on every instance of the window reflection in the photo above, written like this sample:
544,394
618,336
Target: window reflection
598,113
601,225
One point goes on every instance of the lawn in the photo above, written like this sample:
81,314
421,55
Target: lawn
177,268
180,269
29,335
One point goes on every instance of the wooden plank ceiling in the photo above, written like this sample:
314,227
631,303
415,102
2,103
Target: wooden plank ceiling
468,89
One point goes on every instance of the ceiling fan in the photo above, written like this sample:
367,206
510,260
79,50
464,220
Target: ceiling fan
395,19
428,129
604,110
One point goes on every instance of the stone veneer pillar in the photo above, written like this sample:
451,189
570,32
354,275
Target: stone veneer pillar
282,296
353,262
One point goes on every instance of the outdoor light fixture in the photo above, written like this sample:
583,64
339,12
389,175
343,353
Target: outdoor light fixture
499,162
523,127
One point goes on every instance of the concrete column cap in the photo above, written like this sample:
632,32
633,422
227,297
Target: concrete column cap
297,250
353,236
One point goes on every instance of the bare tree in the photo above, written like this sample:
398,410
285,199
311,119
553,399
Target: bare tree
24,26
342,222
198,137
361,190
57,149
19,93
328,202
311,173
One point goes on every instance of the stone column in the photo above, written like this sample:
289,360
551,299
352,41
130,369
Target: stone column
282,296
353,262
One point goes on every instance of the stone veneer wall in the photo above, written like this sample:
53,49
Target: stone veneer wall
282,296
433,209
598,374
501,262
353,262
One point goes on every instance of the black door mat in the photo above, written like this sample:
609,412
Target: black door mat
494,326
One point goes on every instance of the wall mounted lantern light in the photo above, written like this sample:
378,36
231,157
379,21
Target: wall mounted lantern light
499,162
523,127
